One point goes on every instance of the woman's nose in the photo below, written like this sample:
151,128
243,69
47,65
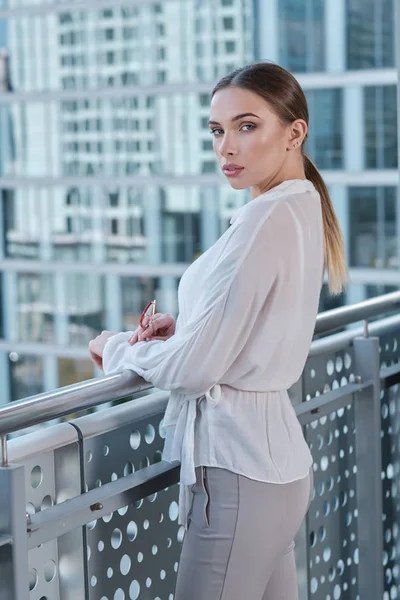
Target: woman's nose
228,146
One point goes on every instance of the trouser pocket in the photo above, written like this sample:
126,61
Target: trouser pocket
199,512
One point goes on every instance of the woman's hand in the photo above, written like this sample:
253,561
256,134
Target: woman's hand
96,347
160,327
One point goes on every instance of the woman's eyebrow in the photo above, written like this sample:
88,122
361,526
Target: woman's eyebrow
236,118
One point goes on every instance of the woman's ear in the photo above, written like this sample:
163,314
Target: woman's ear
297,133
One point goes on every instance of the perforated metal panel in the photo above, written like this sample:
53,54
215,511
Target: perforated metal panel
55,568
332,518
134,552
390,398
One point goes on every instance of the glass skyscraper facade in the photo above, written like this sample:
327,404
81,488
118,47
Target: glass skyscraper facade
109,186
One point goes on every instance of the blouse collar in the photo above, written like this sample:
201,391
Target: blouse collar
290,186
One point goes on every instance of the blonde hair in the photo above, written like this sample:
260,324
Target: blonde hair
283,93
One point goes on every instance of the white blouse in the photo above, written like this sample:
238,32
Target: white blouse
247,310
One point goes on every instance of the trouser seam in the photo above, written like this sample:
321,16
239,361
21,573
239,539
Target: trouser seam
233,538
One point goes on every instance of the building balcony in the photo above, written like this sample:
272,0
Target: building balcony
88,508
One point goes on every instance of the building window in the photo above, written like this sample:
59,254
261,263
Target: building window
209,166
325,135
227,2
372,212
228,23
230,47
380,127
114,226
302,36
207,145
370,34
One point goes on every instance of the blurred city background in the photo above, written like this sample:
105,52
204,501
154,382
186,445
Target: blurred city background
109,186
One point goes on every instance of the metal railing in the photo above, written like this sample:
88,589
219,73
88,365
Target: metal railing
89,510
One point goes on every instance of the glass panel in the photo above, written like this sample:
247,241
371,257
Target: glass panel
26,376
381,127
301,35
370,34
325,137
83,312
373,225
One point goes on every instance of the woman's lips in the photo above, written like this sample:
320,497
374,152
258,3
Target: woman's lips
232,170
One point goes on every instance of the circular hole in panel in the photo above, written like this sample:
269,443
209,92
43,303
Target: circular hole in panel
146,524
324,463
125,564
181,534
50,571
314,585
139,503
313,539
140,557
47,502
30,509
330,367
153,497
91,525
149,434
157,456
122,511
89,552
339,364
148,582
161,517
93,581
154,550
131,531
163,574
114,477
98,483
176,567
326,554
134,590
107,518
119,594
173,511
128,469
169,542
36,477
337,592
347,361
100,546
116,538
89,456
33,579
322,533
312,373
144,462
110,572
331,574
106,450
161,430
134,440
340,567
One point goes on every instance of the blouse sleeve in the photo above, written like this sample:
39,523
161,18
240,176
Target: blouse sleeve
204,350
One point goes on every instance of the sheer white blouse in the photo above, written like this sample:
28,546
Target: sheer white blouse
247,310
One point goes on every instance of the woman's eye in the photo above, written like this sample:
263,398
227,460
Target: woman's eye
216,132
248,127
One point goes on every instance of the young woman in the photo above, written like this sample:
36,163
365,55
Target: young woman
247,309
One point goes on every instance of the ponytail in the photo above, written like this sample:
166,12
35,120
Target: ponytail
335,260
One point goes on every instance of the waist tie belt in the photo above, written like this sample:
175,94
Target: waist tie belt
184,418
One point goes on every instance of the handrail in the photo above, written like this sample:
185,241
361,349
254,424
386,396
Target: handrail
68,400
331,320
82,396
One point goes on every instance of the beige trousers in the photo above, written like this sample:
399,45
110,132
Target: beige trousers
239,543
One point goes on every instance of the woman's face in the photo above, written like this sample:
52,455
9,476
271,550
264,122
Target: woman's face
250,141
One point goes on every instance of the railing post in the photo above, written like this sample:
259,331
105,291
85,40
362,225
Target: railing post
14,569
369,468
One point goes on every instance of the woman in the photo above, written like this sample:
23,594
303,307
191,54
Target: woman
247,309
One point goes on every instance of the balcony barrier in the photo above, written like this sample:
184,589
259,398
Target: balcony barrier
88,510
